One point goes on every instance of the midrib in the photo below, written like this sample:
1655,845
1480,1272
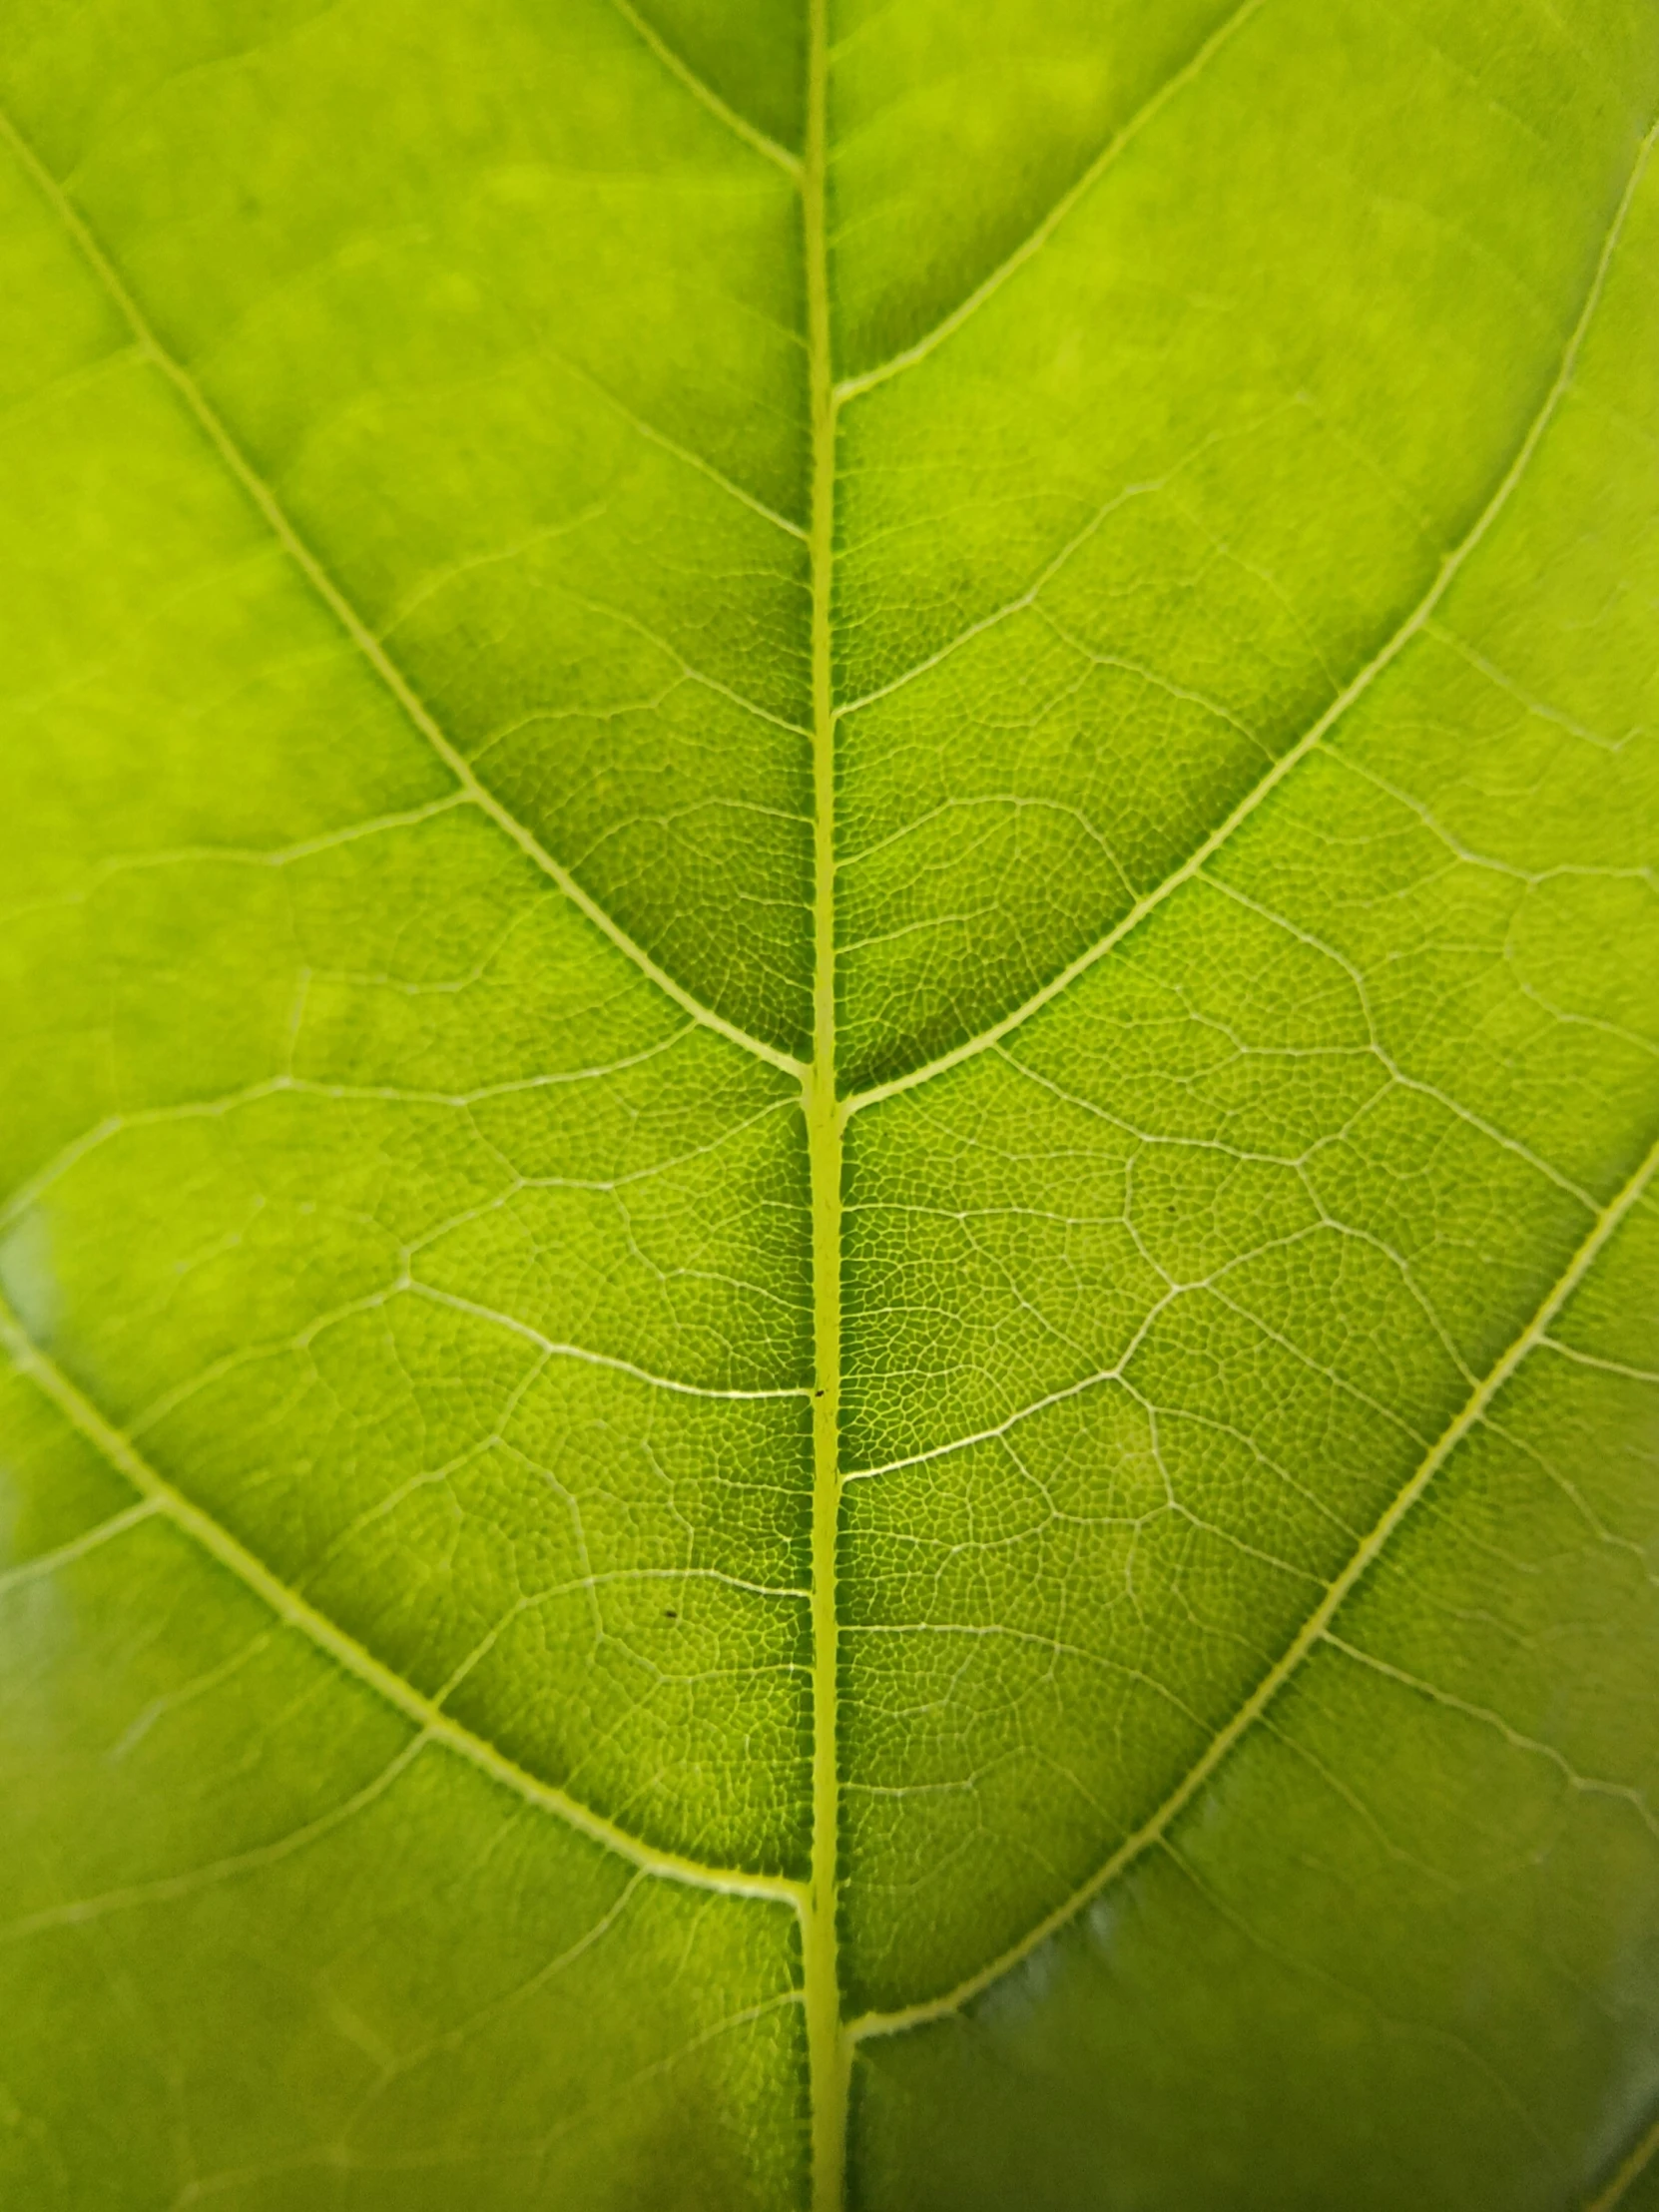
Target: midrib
829,2052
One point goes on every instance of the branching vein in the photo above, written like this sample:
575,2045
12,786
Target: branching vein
705,94
359,630
1313,1632
1416,622
852,388
435,1725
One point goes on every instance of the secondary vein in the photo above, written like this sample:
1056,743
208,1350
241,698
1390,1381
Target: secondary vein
415,709
1641,2156
435,1725
1035,239
705,94
1415,622
1313,1629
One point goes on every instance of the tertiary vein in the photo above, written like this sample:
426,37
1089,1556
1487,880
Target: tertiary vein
1312,1632
830,2039
1415,622
435,1725
304,558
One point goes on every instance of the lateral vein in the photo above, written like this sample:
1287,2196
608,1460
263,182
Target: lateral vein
1642,2155
1313,1632
369,645
854,387
426,1713
705,94
1415,622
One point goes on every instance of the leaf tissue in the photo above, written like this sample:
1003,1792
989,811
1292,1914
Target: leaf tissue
829,1234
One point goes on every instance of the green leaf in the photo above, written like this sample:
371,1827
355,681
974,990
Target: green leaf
832,1271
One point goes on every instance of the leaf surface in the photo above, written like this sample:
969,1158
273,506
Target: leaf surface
831,1260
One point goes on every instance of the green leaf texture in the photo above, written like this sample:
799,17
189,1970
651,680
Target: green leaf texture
831,1259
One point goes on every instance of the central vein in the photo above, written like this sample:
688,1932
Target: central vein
829,2052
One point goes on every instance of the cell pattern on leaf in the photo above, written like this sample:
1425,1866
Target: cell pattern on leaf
829,1160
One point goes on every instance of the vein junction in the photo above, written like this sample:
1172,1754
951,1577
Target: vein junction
435,1725
830,2039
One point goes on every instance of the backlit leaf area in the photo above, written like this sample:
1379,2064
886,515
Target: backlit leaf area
828,1106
